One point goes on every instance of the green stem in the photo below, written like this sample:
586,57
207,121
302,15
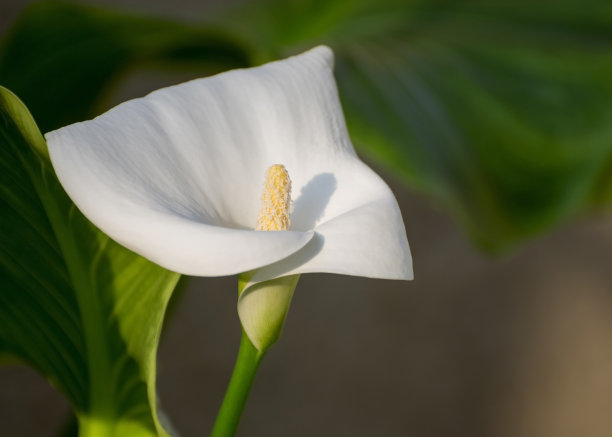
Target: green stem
237,392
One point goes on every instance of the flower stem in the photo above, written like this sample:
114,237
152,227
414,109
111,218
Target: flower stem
237,392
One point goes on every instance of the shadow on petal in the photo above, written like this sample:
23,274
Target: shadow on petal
310,205
292,262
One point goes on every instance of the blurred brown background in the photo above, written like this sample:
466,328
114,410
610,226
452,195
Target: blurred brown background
519,346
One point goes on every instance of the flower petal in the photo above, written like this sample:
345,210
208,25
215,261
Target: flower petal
177,176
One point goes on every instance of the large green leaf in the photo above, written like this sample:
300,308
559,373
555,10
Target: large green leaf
499,110
62,58
82,310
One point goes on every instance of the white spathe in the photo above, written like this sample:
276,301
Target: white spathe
177,176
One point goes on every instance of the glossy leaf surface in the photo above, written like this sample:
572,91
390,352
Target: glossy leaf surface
64,59
82,310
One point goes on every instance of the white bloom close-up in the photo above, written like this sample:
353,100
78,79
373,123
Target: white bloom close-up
178,177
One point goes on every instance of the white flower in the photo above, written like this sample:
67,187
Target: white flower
177,176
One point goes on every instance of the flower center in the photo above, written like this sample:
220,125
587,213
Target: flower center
276,200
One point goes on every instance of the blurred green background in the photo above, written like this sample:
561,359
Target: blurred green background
492,123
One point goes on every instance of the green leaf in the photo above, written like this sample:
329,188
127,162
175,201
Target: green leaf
63,58
499,110
82,310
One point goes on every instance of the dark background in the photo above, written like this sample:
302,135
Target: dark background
515,346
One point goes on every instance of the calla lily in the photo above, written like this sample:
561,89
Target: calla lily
177,176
